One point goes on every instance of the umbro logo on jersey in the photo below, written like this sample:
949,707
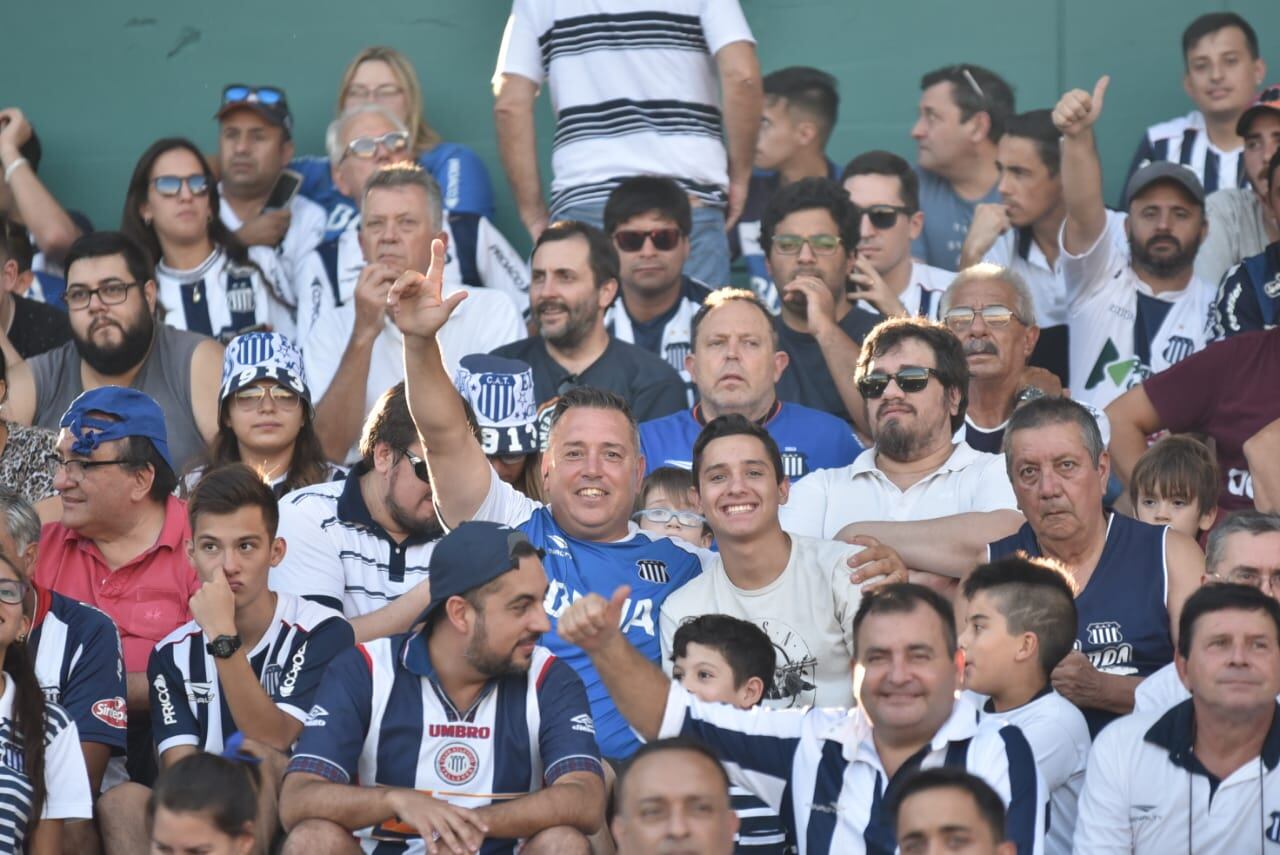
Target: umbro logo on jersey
457,763
583,724
315,717
652,570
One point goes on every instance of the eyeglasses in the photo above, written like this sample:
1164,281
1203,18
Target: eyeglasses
238,93
632,240
111,294
367,147
419,465
1252,578
171,185
792,244
912,378
251,397
385,92
883,216
13,591
662,516
77,469
960,318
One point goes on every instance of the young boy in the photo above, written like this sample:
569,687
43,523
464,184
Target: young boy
724,659
666,507
1175,483
1021,622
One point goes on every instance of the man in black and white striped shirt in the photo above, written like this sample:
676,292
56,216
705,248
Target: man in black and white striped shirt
1223,73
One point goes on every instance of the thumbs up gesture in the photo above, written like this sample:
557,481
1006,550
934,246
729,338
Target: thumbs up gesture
1077,110
592,622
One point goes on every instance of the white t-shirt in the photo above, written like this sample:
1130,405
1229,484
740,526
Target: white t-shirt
825,501
220,299
1160,691
923,296
807,612
1023,256
634,88
1237,230
1105,297
306,230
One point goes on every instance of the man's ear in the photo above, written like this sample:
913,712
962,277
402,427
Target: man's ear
458,612
979,126
278,549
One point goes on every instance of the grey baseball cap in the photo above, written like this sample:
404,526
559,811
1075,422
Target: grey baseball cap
1163,170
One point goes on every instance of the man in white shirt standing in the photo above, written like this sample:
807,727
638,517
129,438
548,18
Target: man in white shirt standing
1133,313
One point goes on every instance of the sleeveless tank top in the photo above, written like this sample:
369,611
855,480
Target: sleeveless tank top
1123,620
165,376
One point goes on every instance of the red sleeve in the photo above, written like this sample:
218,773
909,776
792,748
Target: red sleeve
1185,394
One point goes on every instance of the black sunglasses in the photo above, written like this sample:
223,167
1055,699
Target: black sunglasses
632,240
419,465
912,378
883,216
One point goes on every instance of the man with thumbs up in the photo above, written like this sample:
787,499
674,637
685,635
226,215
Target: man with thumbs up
1134,304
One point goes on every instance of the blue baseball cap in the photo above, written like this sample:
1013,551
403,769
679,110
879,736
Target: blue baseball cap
135,413
500,392
263,356
473,554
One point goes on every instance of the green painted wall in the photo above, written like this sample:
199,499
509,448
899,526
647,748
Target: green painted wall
102,80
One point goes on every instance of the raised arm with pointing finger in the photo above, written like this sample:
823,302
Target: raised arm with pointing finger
1075,115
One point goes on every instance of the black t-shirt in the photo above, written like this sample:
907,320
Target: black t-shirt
806,379
37,327
981,439
647,382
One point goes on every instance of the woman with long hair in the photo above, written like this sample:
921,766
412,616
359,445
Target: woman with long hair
205,803
265,416
43,780
384,76
207,281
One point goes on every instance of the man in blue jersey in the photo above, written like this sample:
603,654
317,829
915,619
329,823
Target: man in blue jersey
466,735
829,771
735,362
1249,297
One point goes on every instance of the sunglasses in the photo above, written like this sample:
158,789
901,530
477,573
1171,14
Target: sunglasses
960,318
238,93
251,397
662,516
912,378
419,466
111,294
884,216
632,240
367,147
792,244
13,591
171,185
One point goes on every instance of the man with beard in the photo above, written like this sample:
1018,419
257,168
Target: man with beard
111,301
361,545
914,379
390,755
574,280
1135,313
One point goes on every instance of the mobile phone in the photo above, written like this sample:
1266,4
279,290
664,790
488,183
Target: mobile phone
285,188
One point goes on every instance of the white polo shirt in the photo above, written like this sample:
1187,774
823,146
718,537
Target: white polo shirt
1146,793
825,501
922,297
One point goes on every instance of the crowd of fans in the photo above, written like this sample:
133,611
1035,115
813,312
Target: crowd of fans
769,506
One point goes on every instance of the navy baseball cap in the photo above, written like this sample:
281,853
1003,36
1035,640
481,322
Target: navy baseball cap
135,413
473,554
500,392
1164,170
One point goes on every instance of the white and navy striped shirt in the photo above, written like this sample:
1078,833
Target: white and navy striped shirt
821,770
1184,140
382,719
187,703
339,556
65,778
221,299
669,336
634,88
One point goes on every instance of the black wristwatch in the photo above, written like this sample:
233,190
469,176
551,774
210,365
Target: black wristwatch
224,646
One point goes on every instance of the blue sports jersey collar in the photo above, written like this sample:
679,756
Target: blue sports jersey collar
1175,732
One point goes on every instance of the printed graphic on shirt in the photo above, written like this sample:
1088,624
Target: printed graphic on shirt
1110,653
795,675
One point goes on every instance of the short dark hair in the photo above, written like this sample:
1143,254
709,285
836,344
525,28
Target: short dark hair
724,296
658,746
809,90
389,422
1211,23
228,488
140,453
668,479
1053,410
948,353
992,95
990,806
593,398
1037,126
103,244
1218,598
641,194
904,597
736,424
1177,466
1034,595
809,194
223,790
745,646
601,256
880,162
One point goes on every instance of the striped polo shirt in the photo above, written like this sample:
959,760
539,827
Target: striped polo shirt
1184,140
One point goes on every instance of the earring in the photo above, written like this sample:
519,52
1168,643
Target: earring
146,221
22,637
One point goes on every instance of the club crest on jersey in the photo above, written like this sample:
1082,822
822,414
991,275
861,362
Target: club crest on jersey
457,764
1111,653
1272,289
676,352
652,570
271,678
1178,349
1273,827
793,464
12,756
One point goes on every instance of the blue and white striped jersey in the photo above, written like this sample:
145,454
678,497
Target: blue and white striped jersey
381,719
1184,140
820,769
187,704
221,299
78,664
760,828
